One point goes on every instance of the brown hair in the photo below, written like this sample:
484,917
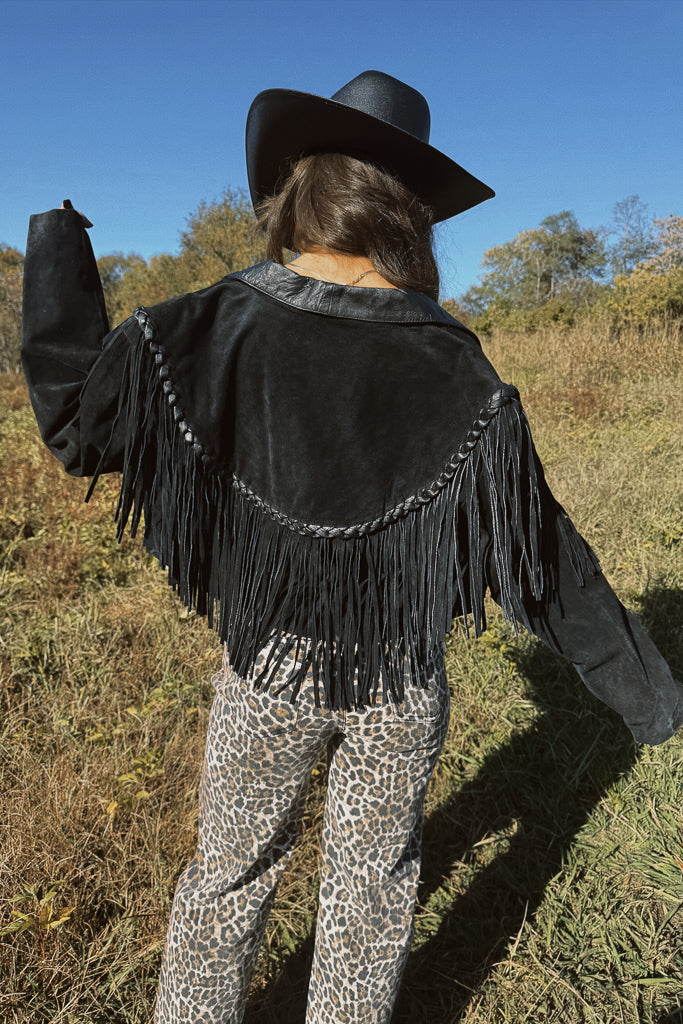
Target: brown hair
350,206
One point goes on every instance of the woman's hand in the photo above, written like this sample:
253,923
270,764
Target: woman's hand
68,205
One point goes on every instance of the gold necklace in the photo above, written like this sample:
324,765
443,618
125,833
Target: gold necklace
347,284
361,276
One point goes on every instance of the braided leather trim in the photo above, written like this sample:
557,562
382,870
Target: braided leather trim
167,385
497,400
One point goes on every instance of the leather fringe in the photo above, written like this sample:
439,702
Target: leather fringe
362,612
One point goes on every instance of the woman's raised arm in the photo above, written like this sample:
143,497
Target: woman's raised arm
73,365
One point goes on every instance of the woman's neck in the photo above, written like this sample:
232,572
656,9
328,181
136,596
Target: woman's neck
338,268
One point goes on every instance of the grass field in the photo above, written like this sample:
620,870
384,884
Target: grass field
552,884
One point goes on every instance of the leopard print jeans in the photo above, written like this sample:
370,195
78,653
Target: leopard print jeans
260,752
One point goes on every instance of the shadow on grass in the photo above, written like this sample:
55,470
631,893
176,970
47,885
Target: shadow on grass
674,1017
545,782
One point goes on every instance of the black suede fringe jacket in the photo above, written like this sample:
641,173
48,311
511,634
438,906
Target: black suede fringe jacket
333,464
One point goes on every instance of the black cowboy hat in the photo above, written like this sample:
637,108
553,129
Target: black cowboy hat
373,117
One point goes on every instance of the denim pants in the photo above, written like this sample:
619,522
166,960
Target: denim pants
260,752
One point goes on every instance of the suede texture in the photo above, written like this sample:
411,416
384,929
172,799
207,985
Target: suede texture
332,418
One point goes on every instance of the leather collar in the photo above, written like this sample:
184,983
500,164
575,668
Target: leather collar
378,305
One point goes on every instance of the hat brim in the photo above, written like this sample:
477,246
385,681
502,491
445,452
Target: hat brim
284,124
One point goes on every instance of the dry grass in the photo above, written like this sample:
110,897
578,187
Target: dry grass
553,868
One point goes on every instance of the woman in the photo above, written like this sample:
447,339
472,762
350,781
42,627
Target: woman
331,470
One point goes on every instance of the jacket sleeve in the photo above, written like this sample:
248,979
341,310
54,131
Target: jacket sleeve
579,616
72,364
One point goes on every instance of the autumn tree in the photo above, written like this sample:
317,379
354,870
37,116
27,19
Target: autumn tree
654,288
558,258
644,296
667,249
635,240
143,283
220,237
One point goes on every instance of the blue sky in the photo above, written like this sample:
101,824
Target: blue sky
135,109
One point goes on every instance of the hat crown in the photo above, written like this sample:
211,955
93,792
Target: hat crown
388,99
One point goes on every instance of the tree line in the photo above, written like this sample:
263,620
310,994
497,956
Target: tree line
630,270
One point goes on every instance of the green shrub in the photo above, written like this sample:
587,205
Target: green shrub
505,317
644,295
